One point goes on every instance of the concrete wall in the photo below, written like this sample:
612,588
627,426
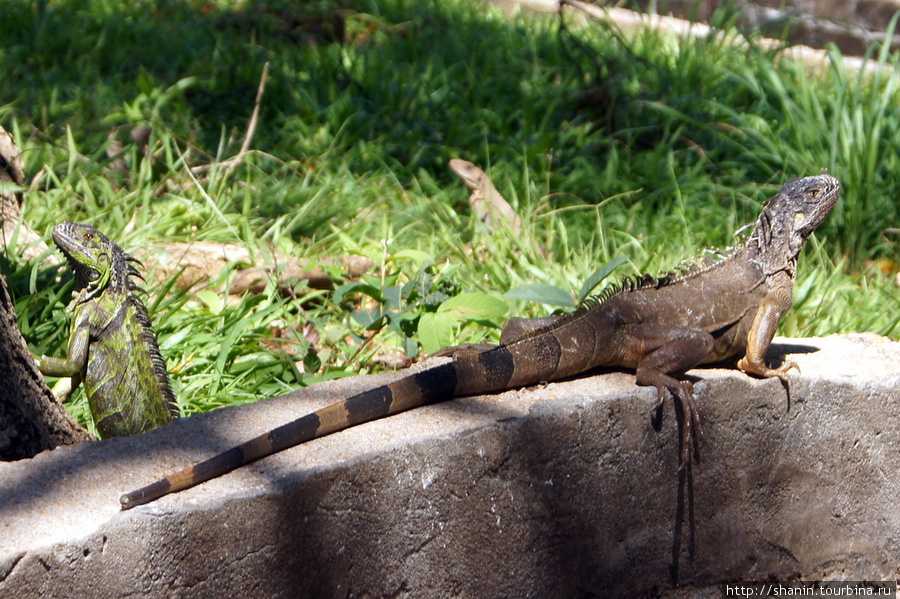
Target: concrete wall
563,490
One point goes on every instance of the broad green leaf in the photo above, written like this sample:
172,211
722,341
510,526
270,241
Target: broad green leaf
474,306
342,290
212,300
391,297
367,318
541,293
598,275
436,331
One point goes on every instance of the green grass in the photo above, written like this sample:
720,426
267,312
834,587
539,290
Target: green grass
640,147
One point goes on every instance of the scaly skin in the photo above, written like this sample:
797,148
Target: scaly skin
112,346
707,311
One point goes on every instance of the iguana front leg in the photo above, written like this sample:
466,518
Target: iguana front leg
762,331
72,366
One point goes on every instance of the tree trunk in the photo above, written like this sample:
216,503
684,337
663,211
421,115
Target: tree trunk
16,237
31,418
11,171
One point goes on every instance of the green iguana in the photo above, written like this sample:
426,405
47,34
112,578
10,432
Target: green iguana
707,311
112,347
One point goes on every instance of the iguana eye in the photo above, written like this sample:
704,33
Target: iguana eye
814,192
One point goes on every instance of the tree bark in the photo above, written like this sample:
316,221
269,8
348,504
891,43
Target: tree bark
31,418
11,171
15,236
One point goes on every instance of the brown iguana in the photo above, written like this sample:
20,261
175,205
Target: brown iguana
487,203
660,326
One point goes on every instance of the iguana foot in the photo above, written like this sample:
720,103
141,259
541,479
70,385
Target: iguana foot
760,369
63,389
691,427
688,415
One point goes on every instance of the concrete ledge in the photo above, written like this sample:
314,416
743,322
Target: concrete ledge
563,490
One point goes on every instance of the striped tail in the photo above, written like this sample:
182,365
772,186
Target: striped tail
428,386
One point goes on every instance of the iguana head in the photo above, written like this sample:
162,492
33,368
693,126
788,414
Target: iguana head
789,218
811,199
89,252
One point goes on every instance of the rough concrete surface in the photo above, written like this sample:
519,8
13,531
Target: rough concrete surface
563,490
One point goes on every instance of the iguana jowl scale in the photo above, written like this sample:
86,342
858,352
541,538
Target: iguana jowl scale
112,346
659,326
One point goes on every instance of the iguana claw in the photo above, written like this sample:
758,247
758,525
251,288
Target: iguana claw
764,371
691,427
688,415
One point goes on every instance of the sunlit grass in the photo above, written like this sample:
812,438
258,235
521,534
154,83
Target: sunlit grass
611,149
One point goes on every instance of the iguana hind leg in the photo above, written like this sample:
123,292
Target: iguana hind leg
675,350
687,413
